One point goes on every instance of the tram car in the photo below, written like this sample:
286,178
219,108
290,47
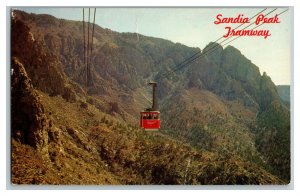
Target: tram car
150,117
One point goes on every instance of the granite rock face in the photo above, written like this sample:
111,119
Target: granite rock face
30,124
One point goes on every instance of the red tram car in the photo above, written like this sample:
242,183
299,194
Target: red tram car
150,120
150,117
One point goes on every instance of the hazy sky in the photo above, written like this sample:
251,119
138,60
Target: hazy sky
194,26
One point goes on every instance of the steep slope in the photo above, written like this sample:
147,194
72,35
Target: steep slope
82,145
224,109
86,146
224,101
42,66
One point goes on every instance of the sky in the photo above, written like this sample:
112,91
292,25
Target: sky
194,27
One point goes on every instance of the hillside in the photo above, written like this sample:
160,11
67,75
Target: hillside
78,144
222,122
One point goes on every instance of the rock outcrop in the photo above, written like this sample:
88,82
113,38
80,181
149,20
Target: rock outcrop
42,67
29,122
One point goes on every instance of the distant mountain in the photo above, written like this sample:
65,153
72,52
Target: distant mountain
284,93
218,113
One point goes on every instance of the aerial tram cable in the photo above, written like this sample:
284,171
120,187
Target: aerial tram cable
88,46
214,41
202,54
187,60
84,49
215,48
211,50
181,65
90,58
